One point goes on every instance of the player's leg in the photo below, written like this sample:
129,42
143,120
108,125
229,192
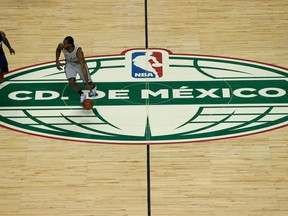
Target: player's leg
90,82
3,66
74,85
93,89
71,73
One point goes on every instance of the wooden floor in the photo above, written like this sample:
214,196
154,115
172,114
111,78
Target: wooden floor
233,177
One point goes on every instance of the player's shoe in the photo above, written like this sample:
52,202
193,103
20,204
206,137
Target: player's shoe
92,93
1,77
82,97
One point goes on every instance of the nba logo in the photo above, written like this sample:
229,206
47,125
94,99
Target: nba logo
147,64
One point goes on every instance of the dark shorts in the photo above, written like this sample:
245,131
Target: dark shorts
3,63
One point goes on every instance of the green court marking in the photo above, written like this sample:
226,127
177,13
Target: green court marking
195,62
205,67
215,92
96,113
253,120
199,111
240,62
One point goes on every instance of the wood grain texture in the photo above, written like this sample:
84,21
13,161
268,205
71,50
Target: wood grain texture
240,176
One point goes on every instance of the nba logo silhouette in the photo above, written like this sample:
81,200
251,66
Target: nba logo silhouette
147,64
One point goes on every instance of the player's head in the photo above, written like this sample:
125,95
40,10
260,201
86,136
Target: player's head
68,42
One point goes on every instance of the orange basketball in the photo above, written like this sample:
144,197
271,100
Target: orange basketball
87,104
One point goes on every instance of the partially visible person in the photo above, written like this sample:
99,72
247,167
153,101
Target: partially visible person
3,61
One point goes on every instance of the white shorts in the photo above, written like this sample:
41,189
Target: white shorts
72,69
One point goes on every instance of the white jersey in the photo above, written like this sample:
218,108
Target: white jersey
71,57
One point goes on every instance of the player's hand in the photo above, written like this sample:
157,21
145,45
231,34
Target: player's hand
58,65
12,51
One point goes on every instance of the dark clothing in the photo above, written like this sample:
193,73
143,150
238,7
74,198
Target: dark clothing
3,60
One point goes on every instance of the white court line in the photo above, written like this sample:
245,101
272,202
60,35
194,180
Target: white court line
37,81
2,85
40,107
205,105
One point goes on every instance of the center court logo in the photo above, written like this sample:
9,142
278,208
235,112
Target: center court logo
147,64
149,94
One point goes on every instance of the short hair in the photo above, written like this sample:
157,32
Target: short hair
69,40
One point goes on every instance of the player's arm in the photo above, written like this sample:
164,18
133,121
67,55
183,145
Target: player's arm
58,53
80,56
6,42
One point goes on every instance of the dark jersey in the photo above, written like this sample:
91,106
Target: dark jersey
1,42
3,60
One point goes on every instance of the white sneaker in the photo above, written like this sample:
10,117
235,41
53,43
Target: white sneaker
92,93
82,97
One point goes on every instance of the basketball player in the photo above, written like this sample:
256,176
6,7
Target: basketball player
75,64
3,60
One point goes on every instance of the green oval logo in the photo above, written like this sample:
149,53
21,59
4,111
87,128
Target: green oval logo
149,95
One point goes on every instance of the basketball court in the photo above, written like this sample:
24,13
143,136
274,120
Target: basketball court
213,175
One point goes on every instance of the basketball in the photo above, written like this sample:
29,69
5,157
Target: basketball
87,104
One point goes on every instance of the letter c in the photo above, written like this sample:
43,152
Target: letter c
17,95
